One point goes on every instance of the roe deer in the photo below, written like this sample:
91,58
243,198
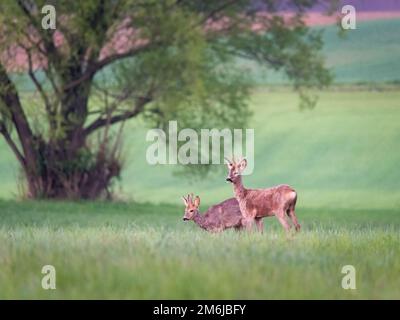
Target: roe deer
256,204
217,218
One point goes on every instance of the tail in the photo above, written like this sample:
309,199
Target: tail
295,199
292,203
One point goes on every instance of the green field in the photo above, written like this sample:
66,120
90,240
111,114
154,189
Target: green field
343,154
368,54
136,251
342,158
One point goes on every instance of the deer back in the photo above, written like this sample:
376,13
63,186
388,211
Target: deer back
225,214
269,201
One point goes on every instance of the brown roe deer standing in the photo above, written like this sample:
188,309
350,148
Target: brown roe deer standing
256,204
217,218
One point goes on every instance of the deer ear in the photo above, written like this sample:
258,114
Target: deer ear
242,164
197,201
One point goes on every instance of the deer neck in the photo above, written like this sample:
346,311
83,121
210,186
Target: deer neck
199,220
238,188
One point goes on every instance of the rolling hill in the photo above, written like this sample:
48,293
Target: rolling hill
344,153
367,54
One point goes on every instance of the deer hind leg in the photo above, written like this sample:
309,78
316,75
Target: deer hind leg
291,213
260,225
282,219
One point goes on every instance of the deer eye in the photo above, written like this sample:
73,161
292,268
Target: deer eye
191,210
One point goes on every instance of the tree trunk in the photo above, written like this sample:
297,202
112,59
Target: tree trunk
66,173
63,166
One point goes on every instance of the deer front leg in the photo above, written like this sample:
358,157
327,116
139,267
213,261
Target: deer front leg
248,223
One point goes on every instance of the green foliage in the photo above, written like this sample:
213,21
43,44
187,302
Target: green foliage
83,162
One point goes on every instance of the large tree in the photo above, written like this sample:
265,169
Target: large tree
108,61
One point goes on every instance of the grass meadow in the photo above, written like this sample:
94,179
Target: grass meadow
343,159
145,251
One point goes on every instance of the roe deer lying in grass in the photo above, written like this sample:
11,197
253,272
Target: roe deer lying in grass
256,204
217,218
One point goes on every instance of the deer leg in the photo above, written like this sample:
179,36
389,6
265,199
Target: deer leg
282,219
248,223
260,225
293,217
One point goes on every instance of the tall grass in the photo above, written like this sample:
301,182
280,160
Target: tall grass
144,251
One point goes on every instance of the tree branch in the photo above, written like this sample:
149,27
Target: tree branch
12,144
46,35
217,10
104,62
39,87
101,121
10,98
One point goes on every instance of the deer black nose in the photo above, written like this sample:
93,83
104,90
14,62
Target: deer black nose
185,219
229,179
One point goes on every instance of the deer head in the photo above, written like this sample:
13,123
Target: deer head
191,207
235,169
